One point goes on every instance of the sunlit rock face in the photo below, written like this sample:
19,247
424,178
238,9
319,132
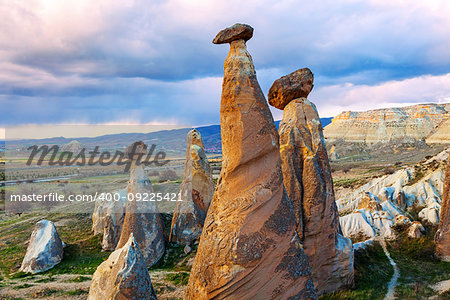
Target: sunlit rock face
45,249
407,124
123,275
141,217
387,200
308,182
442,237
249,248
196,191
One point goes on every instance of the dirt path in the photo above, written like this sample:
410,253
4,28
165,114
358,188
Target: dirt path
393,282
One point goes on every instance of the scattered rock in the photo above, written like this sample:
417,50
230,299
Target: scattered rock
45,249
123,275
107,219
416,230
187,249
296,85
442,236
196,192
234,33
249,248
309,185
142,217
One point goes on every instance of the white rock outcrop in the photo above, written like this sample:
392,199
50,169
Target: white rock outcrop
123,275
45,249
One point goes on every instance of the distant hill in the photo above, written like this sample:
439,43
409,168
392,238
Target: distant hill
418,123
172,141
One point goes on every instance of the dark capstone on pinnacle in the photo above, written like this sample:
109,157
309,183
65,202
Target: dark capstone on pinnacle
236,32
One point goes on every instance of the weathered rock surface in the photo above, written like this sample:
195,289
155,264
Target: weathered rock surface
234,33
386,200
123,275
309,185
296,85
416,230
196,190
107,219
45,249
142,217
442,237
407,124
249,248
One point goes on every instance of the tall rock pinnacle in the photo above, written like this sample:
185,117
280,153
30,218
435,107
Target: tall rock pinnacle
442,237
309,185
249,248
196,191
142,217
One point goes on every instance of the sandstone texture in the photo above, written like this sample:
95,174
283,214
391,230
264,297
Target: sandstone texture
416,230
196,190
309,185
442,237
234,33
296,85
45,249
107,219
385,201
424,122
123,275
142,218
249,248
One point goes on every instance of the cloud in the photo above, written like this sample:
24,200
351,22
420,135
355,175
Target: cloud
109,60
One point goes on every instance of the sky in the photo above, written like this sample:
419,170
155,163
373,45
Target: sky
152,62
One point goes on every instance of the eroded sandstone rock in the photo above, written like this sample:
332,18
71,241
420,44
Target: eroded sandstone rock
296,85
442,236
142,217
196,191
416,230
123,275
107,219
309,185
234,33
45,249
249,248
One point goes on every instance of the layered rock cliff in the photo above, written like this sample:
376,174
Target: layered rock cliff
424,122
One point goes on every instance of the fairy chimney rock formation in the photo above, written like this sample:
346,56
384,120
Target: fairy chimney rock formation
296,85
45,249
249,248
123,275
142,217
309,185
196,191
107,219
442,236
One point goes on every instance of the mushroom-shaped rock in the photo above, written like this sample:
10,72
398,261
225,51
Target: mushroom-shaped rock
196,192
416,230
442,237
309,185
107,219
236,32
123,275
249,248
296,85
142,217
45,249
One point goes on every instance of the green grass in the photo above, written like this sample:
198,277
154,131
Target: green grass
372,274
174,259
76,292
48,278
22,286
418,267
78,279
179,278
347,182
